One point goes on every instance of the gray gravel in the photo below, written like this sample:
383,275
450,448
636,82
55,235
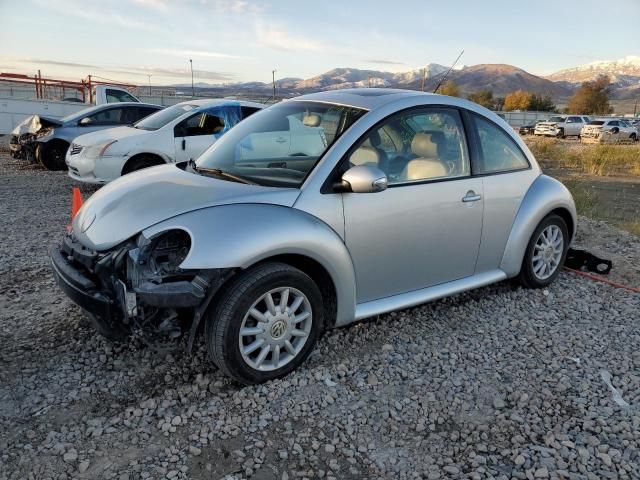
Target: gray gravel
496,383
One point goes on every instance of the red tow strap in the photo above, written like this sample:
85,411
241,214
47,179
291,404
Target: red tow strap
600,279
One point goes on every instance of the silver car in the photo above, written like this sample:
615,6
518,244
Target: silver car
409,197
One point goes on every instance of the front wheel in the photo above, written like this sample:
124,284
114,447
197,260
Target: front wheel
52,155
545,253
265,323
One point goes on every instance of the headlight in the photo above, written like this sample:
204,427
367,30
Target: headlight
99,150
167,251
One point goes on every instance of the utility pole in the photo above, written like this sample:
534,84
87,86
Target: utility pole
273,80
149,84
424,77
193,90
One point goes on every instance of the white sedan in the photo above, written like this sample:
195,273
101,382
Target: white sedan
175,134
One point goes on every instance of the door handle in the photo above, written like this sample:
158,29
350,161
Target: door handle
281,140
471,196
184,144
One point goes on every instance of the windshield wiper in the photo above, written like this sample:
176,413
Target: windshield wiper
219,173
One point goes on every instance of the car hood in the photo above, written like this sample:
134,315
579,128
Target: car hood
141,199
115,133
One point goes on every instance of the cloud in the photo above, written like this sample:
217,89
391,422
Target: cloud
155,4
193,53
385,62
137,71
104,16
280,39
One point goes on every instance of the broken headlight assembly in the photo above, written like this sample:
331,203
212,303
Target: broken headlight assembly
168,251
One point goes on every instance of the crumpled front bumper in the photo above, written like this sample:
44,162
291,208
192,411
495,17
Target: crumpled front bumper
111,284
80,288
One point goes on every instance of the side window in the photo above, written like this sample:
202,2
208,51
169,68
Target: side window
115,96
499,152
248,111
575,120
111,116
614,123
421,145
202,123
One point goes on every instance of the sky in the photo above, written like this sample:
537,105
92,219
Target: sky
240,40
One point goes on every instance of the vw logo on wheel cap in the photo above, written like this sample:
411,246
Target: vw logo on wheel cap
278,329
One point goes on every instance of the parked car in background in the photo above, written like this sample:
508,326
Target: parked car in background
411,197
608,130
175,134
528,129
562,126
47,139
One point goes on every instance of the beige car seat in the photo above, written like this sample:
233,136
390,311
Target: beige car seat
365,155
311,120
428,164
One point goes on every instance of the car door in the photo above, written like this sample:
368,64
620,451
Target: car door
197,132
425,228
574,125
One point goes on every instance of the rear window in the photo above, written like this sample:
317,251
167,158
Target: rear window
596,122
163,117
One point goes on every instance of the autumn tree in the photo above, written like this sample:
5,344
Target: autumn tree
484,98
592,98
449,88
518,100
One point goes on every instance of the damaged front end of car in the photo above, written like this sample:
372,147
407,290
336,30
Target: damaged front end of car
138,285
24,138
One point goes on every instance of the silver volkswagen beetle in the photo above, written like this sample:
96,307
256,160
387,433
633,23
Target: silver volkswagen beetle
312,214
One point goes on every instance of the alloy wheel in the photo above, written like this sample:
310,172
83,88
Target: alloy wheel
547,252
275,328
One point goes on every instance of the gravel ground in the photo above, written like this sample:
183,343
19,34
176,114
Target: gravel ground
496,383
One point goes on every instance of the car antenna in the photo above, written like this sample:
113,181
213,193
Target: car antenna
448,72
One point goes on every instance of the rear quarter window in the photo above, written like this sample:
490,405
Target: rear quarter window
499,152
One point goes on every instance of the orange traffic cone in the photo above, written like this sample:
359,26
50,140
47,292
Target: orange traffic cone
76,203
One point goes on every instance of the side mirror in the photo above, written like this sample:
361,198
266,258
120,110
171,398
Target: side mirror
86,121
364,179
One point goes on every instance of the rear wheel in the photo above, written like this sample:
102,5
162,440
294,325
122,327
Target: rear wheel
51,155
265,323
545,253
633,137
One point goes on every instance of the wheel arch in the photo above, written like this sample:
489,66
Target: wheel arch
545,196
156,158
243,235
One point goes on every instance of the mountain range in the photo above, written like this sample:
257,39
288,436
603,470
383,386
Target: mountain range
500,78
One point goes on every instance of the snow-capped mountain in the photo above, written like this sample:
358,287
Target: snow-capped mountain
623,72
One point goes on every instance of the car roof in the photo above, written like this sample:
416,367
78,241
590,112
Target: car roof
365,98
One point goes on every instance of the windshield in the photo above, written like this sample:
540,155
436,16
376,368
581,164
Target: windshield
163,117
557,119
280,145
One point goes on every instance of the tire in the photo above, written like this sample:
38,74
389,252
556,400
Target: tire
561,134
140,162
530,275
112,331
632,137
231,313
51,155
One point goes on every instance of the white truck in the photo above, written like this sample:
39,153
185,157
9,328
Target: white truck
15,110
562,126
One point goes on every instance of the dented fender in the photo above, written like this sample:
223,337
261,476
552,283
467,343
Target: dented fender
241,235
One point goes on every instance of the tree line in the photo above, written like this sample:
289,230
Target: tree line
592,98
